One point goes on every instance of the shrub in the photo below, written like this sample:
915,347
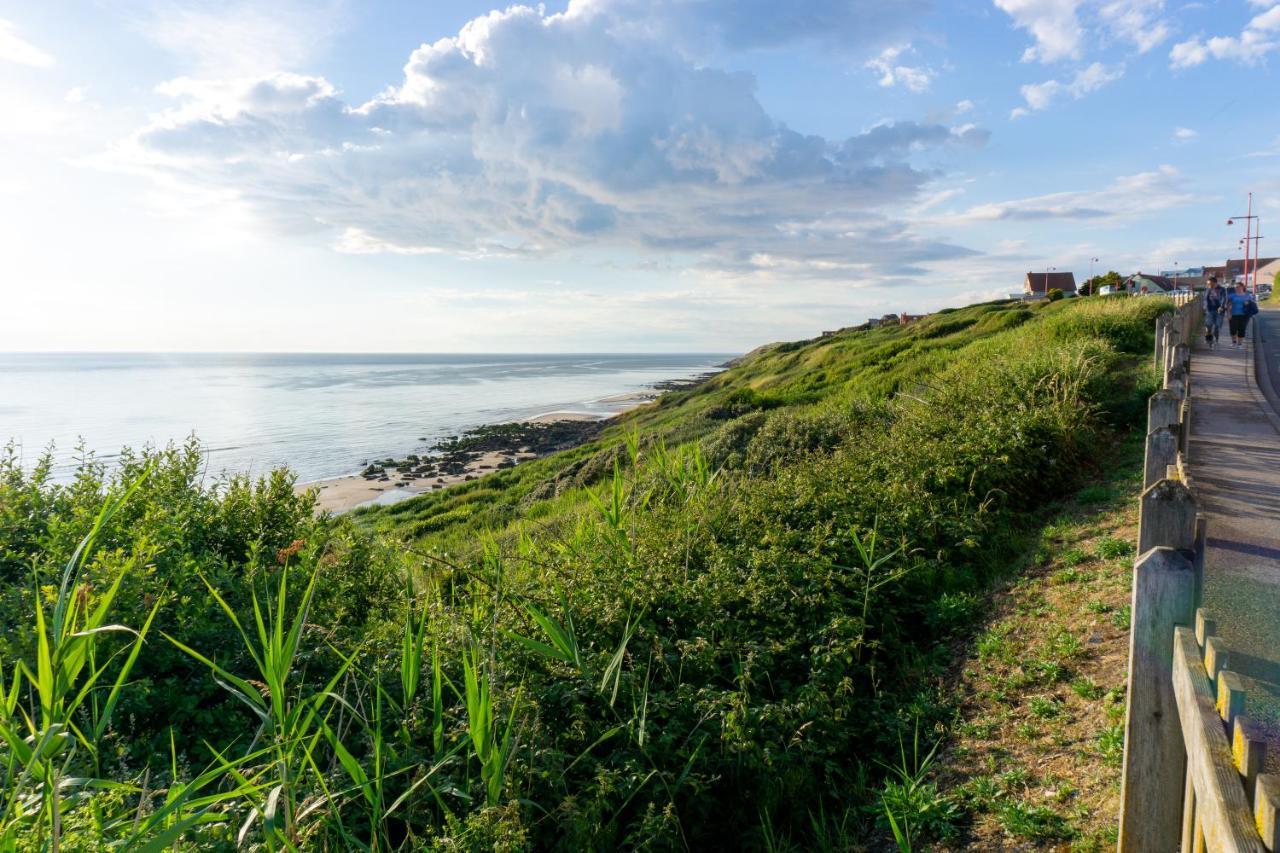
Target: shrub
587,655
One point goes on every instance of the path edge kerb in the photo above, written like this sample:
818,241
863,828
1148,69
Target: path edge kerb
1259,379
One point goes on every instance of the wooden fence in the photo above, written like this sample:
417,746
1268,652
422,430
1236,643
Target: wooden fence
1192,777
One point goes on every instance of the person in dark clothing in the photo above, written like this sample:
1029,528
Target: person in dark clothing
1215,305
1239,304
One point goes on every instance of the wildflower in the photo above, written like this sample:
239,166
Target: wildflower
291,550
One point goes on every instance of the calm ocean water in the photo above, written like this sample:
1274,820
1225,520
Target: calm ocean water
321,415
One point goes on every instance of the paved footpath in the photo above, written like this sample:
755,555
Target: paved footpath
1235,463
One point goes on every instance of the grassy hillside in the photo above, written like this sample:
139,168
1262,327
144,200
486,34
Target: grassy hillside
716,625
808,384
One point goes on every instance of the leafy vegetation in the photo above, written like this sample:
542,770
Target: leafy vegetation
718,623
1091,286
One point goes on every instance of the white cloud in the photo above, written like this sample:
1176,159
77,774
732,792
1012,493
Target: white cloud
75,95
1136,21
1060,28
1052,23
1184,134
696,25
532,133
1127,197
1260,36
893,73
1040,96
934,199
14,49
964,106
241,38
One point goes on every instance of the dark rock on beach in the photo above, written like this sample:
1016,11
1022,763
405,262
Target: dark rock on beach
458,456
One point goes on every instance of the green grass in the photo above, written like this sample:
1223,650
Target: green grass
717,624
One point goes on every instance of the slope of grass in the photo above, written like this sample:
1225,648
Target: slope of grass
713,626
806,380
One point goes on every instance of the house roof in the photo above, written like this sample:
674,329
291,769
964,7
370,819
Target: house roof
1161,281
1043,282
1235,266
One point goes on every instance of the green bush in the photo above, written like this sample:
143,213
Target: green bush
708,626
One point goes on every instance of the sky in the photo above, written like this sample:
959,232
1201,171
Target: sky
604,175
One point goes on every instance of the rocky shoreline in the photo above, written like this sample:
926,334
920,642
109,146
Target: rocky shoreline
483,449
474,453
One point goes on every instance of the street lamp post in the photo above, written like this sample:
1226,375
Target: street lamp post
1093,285
1248,238
1175,276
1257,252
1046,279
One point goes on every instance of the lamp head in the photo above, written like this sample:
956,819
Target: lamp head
1231,222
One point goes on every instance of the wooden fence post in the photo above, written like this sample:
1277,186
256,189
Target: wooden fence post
1215,657
1182,356
1231,696
1249,751
1162,323
1266,802
1163,409
1167,518
1154,756
1184,423
1206,627
1202,534
1162,451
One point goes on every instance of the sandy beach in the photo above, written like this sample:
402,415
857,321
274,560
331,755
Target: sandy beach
341,494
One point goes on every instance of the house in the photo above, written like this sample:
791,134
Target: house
1266,269
1040,283
1220,273
1189,272
906,319
1145,283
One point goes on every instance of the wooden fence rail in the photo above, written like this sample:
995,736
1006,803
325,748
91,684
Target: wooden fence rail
1192,777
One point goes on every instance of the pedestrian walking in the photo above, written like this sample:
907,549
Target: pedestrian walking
1215,305
1242,306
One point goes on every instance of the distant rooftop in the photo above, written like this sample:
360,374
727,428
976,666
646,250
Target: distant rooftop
1043,282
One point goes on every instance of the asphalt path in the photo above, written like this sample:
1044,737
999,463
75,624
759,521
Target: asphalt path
1235,463
1269,354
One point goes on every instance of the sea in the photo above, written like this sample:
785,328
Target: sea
322,415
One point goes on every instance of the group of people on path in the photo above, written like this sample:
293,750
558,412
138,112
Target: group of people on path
1238,305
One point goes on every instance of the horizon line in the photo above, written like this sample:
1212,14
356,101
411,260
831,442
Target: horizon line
366,352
